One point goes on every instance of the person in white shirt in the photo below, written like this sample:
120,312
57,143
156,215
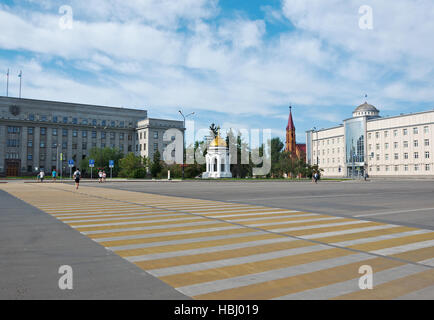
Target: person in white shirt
41,176
77,175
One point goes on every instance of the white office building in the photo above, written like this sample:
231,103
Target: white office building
384,147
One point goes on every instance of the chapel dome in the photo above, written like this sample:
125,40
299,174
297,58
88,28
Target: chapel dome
218,142
365,109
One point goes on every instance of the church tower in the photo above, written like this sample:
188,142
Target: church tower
290,145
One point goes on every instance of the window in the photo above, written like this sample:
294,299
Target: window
53,157
426,129
406,155
44,118
378,157
74,120
416,155
416,167
396,168
386,134
369,136
377,135
74,133
121,136
405,144
74,146
42,157
416,143
141,136
94,134
426,143
31,117
112,124
103,134
30,131
65,119
415,130
130,148
426,154
122,124
404,132
130,137
94,122
13,143
144,147
54,145
103,123
406,167
378,168
396,156
377,146
64,145
386,146
112,135
395,145
43,131
155,146
387,168
386,156
30,143
55,119
84,134
155,134
84,145
84,121
65,132
42,144
29,157
102,145
395,133
54,132
427,167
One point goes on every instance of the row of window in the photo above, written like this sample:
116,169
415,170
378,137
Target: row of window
406,156
329,141
142,135
338,150
84,133
404,143
407,167
93,122
395,132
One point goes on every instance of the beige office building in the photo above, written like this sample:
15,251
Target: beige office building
383,147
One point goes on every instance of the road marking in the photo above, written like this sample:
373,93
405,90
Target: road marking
392,212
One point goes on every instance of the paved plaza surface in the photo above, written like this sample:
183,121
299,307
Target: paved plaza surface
218,240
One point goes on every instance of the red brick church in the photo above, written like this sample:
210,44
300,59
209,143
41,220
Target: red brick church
296,150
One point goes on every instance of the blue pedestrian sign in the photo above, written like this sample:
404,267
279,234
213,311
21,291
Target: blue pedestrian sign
91,163
70,163
111,163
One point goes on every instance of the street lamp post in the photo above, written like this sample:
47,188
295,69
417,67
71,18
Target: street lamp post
183,140
317,156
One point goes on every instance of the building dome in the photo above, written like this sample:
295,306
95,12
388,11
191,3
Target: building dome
218,142
365,109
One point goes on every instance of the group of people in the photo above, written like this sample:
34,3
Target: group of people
101,176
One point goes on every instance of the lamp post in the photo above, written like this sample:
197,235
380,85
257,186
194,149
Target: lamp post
317,156
183,140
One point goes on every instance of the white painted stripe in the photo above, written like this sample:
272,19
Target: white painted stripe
275,274
292,221
393,212
190,224
232,246
107,212
116,215
429,262
349,231
144,236
355,222
345,287
135,222
258,214
183,241
282,216
404,248
235,261
130,217
379,238
220,210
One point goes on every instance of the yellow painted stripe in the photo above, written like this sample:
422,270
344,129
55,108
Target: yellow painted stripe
190,278
220,255
180,216
194,245
281,287
393,242
330,229
416,255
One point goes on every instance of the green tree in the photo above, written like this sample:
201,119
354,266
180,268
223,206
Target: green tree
133,166
156,165
102,156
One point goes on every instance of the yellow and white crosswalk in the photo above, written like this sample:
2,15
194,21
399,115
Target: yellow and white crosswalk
217,250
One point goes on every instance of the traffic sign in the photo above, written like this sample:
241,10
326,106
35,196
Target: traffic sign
91,163
71,163
111,163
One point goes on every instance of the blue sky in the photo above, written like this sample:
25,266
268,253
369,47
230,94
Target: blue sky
236,63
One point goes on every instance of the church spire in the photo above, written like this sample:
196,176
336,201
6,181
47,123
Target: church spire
290,126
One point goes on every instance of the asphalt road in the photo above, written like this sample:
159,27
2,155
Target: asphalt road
406,202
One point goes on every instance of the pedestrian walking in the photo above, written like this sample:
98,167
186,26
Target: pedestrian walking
77,175
104,175
41,176
316,176
54,175
100,176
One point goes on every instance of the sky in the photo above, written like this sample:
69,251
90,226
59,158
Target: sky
236,63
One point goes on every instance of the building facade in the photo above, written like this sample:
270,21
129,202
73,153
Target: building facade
34,133
384,147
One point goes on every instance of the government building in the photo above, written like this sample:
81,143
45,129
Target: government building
397,146
34,133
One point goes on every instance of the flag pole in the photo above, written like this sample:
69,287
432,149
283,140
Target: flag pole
7,84
20,76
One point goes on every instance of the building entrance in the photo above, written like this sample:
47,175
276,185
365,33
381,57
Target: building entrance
12,168
358,172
